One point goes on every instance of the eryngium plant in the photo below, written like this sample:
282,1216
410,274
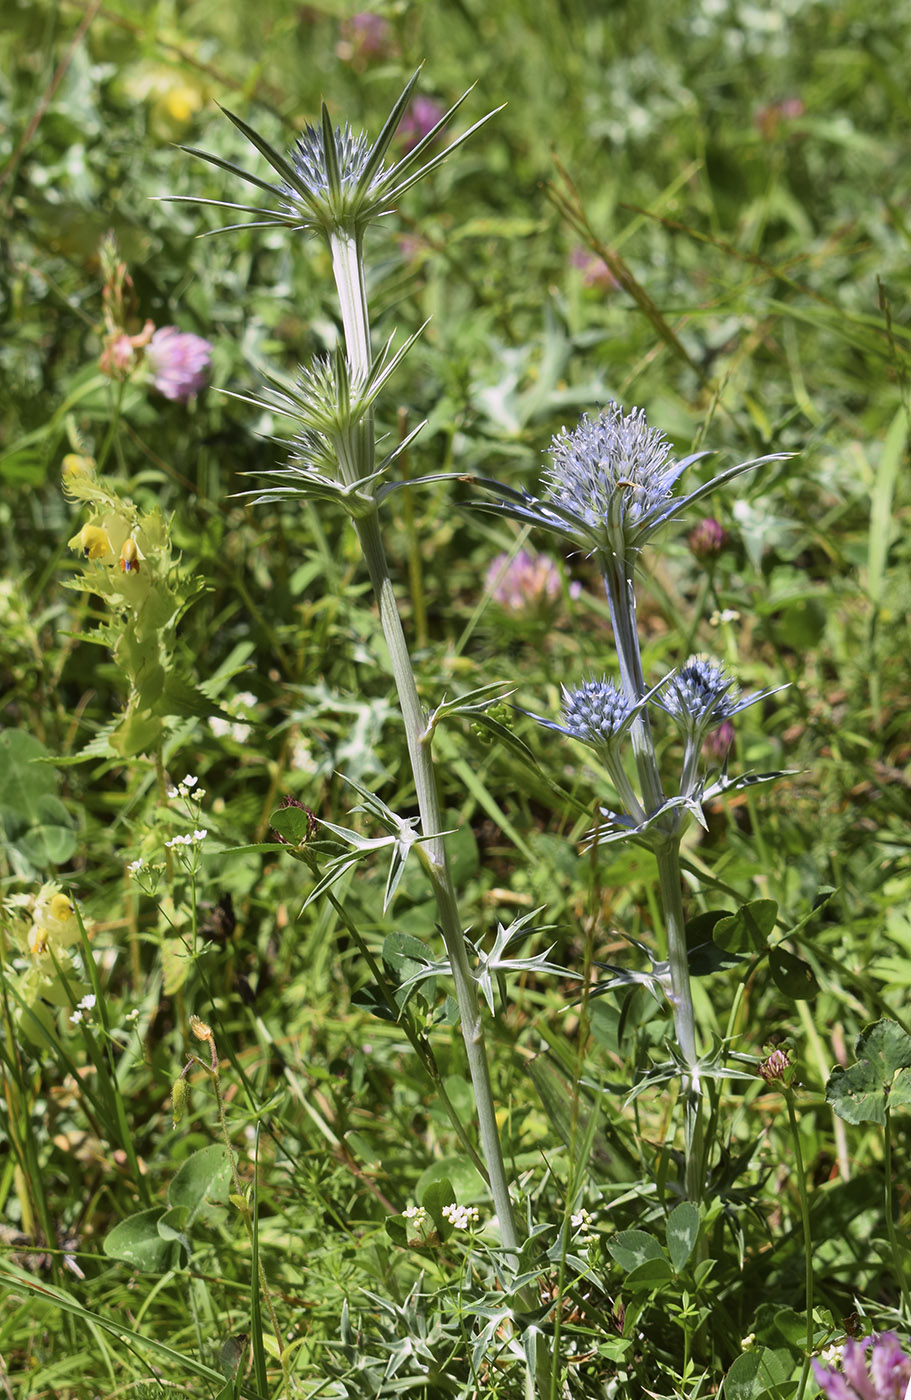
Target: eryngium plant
608,490
335,184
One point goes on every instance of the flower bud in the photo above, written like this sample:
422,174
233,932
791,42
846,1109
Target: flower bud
707,540
200,1029
129,557
180,1094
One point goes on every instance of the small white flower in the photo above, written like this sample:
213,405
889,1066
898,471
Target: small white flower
461,1217
87,1002
200,834
582,1220
132,1016
76,1018
172,793
190,781
246,698
219,727
135,866
417,1214
240,733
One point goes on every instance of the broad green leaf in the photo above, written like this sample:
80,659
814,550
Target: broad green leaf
860,1093
792,976
291,822
136,1241
437,1194
649,1274
748,930
682,1232
630,1248
457,1172
202,1185
34,824
757,1373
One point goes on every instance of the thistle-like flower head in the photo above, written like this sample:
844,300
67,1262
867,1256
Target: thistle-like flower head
610,486
613,470
701,695
335,180
596,712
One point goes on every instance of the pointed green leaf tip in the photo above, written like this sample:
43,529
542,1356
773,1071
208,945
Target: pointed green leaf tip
334,181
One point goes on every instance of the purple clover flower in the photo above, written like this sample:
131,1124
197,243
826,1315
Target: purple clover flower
179,363
364,36
874,1369
706,540
525,582
420,119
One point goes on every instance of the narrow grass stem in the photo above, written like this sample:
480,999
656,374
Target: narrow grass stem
807,1239
898,1250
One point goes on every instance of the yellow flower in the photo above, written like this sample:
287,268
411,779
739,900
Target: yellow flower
129,557
37,942
93,542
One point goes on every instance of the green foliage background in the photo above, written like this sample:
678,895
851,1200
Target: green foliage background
749,167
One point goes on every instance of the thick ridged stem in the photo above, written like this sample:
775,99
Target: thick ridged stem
618,584
349,276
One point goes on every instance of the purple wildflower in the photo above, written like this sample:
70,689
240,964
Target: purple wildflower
706,540
595,271
526,582
179,362
364,36
715,745
420,119
874,1369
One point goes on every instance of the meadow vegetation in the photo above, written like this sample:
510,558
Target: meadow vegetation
568,1054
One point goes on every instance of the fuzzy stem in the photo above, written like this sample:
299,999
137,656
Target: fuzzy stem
348,268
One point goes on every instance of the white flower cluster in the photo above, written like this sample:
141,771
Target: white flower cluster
82,1007
185,789
189,839
416,1214
461,1217
238,730
583,1220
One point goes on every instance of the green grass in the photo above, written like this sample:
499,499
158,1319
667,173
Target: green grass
761,263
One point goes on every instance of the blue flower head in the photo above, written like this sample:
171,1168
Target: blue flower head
611,470
596,712
700,695
610,487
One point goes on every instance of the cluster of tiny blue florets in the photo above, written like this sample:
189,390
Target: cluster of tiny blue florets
308,157
700,691
605,455
595,712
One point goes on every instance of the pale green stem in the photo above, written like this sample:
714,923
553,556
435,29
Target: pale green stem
349,277
621,597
